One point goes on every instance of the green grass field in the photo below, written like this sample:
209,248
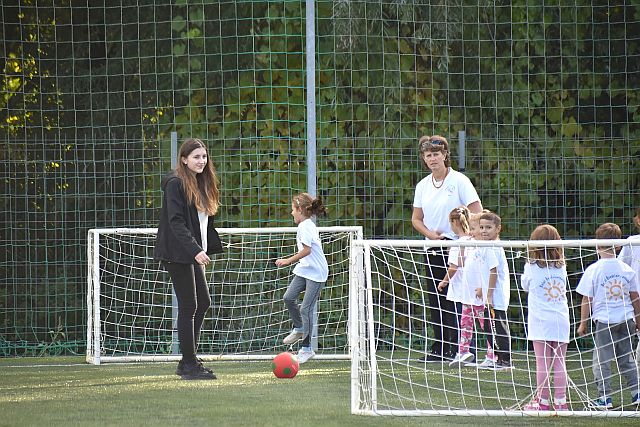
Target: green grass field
67,391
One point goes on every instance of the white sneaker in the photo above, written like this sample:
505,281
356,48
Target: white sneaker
305,353
487,364
292,337
462,359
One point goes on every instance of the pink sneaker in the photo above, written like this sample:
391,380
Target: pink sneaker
560,404
537,405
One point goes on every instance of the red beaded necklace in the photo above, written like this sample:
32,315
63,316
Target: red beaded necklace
433,180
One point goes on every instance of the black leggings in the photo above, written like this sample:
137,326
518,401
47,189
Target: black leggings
194,300
497,329
443,317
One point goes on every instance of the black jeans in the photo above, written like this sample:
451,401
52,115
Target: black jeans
443,316
194,300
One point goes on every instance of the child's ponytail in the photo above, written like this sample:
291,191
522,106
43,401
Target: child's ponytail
309,205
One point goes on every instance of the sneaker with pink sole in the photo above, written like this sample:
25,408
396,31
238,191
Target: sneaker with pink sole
537,405
560,404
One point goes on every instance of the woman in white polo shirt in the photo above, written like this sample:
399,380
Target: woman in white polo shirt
436,195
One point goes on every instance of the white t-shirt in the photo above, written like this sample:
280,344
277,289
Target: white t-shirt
313,266
470,282
477,268
608,281
437,203
630,254
203,218
457,283
548,318
502,292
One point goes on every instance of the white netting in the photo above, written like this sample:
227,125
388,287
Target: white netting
132,311
394,334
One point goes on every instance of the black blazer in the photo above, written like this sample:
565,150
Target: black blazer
178,239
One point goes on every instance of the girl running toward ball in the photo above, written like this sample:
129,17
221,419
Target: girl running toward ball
309,275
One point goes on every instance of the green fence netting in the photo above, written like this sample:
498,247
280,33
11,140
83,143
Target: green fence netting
546,95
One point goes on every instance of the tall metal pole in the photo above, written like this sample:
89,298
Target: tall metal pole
311,126
174,149
462,140
175,343
311,98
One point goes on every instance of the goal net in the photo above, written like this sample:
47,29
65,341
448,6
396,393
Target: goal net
393,335
132,311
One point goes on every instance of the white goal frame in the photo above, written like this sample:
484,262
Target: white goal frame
96,354
398,396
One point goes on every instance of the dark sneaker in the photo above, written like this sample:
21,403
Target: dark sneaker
432,358
448,356
503,365
195,371
180,369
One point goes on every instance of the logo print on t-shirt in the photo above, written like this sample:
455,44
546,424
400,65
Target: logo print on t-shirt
554,290
614,290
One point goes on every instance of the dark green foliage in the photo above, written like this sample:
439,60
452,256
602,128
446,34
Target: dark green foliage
547,95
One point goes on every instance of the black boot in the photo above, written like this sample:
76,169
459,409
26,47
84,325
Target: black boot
194,371
180,369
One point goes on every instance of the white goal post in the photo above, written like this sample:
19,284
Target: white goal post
132,311
392,336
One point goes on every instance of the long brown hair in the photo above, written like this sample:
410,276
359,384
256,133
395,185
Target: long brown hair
200,189
546,257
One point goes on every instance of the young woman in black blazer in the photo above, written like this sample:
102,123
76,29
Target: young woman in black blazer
186,237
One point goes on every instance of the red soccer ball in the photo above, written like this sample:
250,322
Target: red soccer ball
285,365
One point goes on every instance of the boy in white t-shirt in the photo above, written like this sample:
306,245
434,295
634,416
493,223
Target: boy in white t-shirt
610,297
497,295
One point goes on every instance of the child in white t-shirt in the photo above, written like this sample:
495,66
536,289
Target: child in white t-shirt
545,279
309,275
481,272
459,290
496,295
609,290
630,255
459,220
